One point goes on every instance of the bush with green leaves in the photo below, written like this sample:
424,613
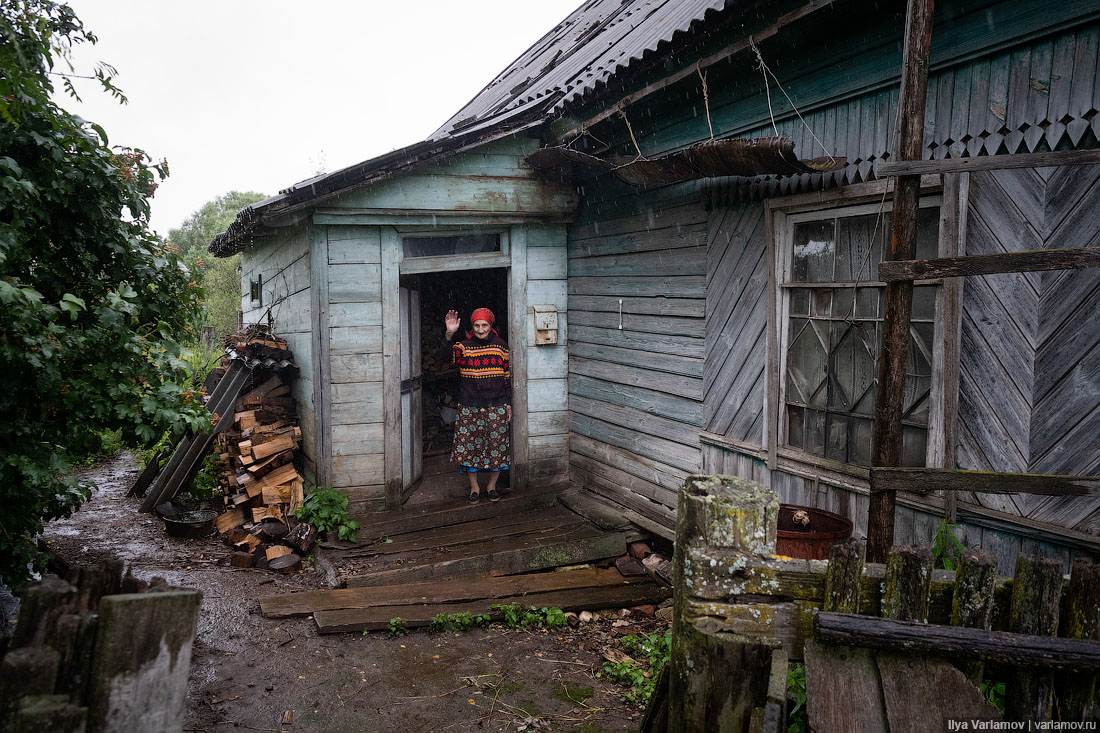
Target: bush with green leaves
94,308
326,509
797,719
397,627
655,648
516,616
947,549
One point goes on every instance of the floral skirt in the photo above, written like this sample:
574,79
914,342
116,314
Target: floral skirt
482,441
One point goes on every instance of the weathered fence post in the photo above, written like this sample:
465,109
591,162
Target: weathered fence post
717,676
907,588
972,600
844,578
1036,592
1080,620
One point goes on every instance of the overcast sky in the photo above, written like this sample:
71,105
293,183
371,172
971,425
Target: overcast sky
259,94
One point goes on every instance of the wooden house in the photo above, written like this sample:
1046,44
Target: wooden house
722,323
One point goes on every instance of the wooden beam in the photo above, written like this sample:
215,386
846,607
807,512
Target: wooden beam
988,163
693,70
1024,650
447,263
996,264
923,480
894,350
517,341
391,364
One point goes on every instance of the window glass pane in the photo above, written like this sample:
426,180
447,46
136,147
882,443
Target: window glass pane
924,302
867,305
836,437
813,252
858,239
814,440
795,418
913,446
806,363
844,303
859,441
800,302
928,233
461,245
823,299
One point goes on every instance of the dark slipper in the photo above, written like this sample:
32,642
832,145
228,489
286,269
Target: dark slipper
475,497
493,495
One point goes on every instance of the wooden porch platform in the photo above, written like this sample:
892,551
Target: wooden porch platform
450,557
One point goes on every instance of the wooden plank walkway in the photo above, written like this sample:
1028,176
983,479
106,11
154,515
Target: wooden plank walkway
355,609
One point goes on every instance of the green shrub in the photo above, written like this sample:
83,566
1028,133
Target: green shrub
516,616
797,720
397,627
326,509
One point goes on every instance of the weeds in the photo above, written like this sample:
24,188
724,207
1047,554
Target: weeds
326,509
463,621
397,627
655,647
797,721
516,616
946,547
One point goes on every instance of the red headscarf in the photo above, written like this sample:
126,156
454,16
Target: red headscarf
483,314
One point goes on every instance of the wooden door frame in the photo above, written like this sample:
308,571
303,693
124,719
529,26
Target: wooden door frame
516,264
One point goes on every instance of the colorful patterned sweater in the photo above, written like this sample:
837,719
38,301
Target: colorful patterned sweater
485,370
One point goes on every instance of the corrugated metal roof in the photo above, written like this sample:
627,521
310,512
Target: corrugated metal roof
586,49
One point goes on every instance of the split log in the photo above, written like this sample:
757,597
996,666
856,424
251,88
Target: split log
270,531
277,494
242,560
286,563
275,445
277,551
301,538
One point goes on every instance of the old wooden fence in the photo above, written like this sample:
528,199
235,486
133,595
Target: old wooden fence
98,652
887,647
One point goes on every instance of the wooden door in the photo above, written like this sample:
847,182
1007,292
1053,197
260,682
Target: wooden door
412,439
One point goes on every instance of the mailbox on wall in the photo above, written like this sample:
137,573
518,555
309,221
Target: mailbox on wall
546,324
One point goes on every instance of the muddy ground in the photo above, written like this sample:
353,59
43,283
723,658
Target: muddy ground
252,673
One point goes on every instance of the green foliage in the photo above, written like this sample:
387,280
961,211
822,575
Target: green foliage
993,693
205,484
220,277
797,720
946,547
516,616
655,647
326,509
93,307
462,621
397,627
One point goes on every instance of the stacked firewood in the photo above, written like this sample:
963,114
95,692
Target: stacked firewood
261,484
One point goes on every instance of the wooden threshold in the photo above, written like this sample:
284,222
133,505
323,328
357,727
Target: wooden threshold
390,524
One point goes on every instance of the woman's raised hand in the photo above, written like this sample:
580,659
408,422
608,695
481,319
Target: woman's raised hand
451,321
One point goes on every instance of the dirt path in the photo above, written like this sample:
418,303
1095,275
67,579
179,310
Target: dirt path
248,672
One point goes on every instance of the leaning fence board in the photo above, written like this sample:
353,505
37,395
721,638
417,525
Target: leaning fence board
1022,650
993,264
923,480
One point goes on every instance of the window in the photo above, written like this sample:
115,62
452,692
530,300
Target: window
830,327
256,290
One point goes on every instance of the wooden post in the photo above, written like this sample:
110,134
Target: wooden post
716,515
972,600
1036,592
844,578
908,585
1075,692
899,295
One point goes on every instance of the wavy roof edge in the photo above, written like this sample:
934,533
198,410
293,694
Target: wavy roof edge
570,65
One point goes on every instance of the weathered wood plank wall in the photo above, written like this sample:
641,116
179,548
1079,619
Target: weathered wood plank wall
637,267
1030,386
547,366
284,264
355,358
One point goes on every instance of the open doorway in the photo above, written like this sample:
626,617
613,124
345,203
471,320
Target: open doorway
430,393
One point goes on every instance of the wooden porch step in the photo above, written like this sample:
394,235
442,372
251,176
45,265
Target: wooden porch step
519,552
390,524
488,589
481,530
607,589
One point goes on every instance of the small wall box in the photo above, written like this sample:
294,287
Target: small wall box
546,325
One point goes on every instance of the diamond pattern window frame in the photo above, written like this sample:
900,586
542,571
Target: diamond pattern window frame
827,320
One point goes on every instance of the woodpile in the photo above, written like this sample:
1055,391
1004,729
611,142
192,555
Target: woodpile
261,485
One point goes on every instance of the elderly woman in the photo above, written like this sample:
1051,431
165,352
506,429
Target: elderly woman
481,441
